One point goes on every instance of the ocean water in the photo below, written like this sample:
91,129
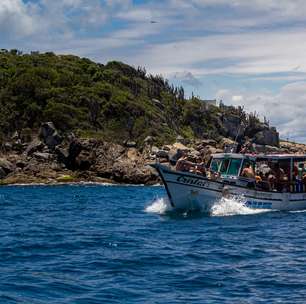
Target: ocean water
121,244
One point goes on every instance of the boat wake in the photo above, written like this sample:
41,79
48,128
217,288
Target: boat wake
223,207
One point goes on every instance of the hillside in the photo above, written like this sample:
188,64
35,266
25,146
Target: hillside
65,118
113,102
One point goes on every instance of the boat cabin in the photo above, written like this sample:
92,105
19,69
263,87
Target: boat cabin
281,173
231,165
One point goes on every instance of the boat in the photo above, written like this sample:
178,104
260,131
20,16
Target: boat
190,191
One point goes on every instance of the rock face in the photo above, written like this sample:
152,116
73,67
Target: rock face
232,126
2,173
68,155
6,167
51,157
34,146
267,137
259,132
49,135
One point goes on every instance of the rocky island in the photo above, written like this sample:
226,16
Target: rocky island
68,119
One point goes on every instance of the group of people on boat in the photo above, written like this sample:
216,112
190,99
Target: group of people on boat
185,165
267,175
279,178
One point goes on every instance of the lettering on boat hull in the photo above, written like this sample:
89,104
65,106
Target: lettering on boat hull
192,181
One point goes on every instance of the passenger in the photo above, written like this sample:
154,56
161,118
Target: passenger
247,147
213,175
272,181
295,172
300,180
263,183
304,182
248,171
199,168
258,178
279,177
301,171
285,184
183,164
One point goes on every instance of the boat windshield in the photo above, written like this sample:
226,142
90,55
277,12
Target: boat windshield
215,164
226,166
234,167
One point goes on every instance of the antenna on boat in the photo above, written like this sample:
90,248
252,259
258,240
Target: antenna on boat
238,130
236,138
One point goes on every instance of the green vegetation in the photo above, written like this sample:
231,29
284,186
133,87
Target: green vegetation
113,102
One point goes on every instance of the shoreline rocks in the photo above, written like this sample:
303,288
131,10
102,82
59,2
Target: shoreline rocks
49,158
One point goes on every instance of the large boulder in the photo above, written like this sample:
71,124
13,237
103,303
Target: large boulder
225,142
126,172
34,146
69,156
205,142
162,154
255,127
3,174
148,140
43,156
6,166
232,126
267,137
133,154
49,135
85,160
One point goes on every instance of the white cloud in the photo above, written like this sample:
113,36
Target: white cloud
15,19
285,8
237,98
138,14
286,109
245,53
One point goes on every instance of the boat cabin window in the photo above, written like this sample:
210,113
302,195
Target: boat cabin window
234,166
226,166
215,164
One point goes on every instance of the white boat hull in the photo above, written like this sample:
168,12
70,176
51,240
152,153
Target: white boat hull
189,191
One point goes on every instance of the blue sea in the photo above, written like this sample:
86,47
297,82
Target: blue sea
87,244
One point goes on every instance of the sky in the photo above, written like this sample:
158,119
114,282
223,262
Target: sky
249,53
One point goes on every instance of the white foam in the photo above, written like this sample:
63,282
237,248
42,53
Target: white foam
159,206
233,206
223,207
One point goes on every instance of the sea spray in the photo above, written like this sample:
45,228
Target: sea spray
159,206
223,207
233,206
